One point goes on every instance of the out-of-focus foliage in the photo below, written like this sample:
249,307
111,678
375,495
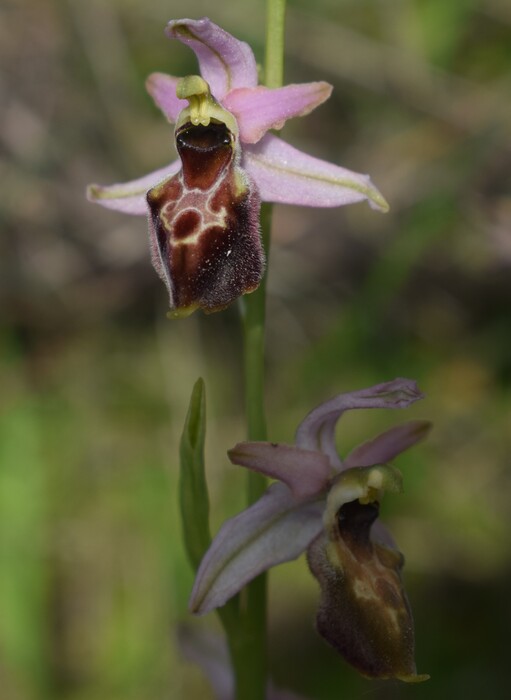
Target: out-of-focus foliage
95,381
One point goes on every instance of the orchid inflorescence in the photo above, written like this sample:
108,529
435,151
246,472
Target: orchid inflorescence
203,211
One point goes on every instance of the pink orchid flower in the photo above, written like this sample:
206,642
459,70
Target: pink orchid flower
329,507
204,207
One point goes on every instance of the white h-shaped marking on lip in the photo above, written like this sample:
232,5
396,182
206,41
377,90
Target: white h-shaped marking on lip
208,217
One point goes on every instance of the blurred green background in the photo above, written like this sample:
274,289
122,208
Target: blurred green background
95,381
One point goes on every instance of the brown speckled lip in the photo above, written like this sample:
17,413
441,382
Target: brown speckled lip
364,611
205,223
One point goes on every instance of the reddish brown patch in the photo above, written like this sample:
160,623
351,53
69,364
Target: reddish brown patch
186,224
168,191
223,197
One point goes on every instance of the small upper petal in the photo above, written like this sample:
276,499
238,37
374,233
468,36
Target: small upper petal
289,176
306,472
130,197
162,88
317,429
275,529
225,62
388,445
259,109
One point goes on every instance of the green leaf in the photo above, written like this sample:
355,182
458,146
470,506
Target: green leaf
193,489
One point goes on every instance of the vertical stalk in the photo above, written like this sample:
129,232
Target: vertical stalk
251,684
274,56
250,649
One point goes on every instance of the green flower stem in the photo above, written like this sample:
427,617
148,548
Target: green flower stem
274,57
251,682
248,644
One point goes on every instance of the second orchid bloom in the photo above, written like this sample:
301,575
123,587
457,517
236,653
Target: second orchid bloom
328,507
204,207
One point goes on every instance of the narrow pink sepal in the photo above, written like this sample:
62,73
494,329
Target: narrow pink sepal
289,176
388,445
306,472
259,109
162,88
225,62
316,431
130,197
275,529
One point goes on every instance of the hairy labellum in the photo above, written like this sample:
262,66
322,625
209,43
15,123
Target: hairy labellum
364,612
205,238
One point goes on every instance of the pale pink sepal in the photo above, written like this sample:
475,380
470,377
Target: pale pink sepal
306,472
289,176
317,429
225,62
162,88
388,445
277,528
130,197
259,109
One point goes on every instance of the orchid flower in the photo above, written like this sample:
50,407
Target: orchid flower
328,506
204,207
210,653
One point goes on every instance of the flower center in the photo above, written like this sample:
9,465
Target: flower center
363,485
202,107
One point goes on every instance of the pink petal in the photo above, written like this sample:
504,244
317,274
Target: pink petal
162,89
385,447
316,431
286,175
326,441
275,529
130,197
225,62
307,473
259,109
